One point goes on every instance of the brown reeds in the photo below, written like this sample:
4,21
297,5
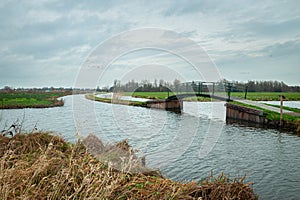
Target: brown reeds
43,166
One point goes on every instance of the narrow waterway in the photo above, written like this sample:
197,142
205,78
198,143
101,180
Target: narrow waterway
187,146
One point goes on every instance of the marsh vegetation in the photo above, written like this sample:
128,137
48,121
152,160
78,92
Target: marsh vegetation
40,165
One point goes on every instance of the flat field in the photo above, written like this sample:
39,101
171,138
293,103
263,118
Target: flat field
268,96
254,96
30,99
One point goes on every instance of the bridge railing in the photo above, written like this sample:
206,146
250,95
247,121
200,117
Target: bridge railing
213,89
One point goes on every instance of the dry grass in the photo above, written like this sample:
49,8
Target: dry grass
42,166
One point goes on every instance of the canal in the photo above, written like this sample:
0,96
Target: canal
174,143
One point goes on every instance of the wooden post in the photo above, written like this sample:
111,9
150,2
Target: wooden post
281,104
246,91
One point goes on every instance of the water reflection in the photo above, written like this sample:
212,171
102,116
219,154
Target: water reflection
172,142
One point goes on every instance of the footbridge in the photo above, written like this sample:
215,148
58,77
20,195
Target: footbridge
187,95
215,90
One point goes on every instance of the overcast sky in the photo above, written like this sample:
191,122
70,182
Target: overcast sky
44,43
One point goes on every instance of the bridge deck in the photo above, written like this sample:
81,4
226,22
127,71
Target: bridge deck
182,96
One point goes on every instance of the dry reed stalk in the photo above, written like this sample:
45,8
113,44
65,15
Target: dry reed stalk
43,166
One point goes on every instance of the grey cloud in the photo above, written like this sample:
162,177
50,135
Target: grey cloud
53,35
273,28
288,48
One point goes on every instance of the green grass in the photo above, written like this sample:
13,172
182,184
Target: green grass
163,95
297,110
255,96
268,96
150,95
30,99
115,101
203,99
270,114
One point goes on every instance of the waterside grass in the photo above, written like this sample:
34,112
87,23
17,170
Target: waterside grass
271,115
290,121
115,101
268,96
164,95
254,96
297,110
14,100
43,166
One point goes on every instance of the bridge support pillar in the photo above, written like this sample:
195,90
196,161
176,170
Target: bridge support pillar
171,105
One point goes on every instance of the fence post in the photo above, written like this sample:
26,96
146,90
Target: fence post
246,91
281,104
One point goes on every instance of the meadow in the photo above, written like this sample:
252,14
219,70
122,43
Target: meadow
268,96
254,96
9,100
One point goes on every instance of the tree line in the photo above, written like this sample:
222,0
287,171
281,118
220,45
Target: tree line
177,86
265,86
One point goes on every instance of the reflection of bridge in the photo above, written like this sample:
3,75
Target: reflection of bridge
216,90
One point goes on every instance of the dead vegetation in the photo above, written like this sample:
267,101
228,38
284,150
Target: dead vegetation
43,166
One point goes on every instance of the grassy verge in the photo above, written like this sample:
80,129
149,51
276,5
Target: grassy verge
150,95
164,95
297,110
268,96
115,101
13,100
290,122
254,96
269,114
39,166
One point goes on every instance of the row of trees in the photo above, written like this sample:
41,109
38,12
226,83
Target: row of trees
264,86
145,86
177,86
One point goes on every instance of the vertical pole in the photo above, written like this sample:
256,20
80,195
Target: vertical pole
281,104
201,87
213,91
246,91
228,87
168,92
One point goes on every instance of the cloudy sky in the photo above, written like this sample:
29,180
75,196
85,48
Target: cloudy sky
45,42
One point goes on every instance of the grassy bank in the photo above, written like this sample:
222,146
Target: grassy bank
150,95
115,101
14,100
42,166
254,96
297,110
164,95
271,115
268,96
291,122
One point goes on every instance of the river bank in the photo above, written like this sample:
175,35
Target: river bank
267,157
19,100
115,101
253,96
39,165
262,117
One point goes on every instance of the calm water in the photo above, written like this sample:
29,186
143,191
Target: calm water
185,147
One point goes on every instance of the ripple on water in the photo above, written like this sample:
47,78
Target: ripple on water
268,158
